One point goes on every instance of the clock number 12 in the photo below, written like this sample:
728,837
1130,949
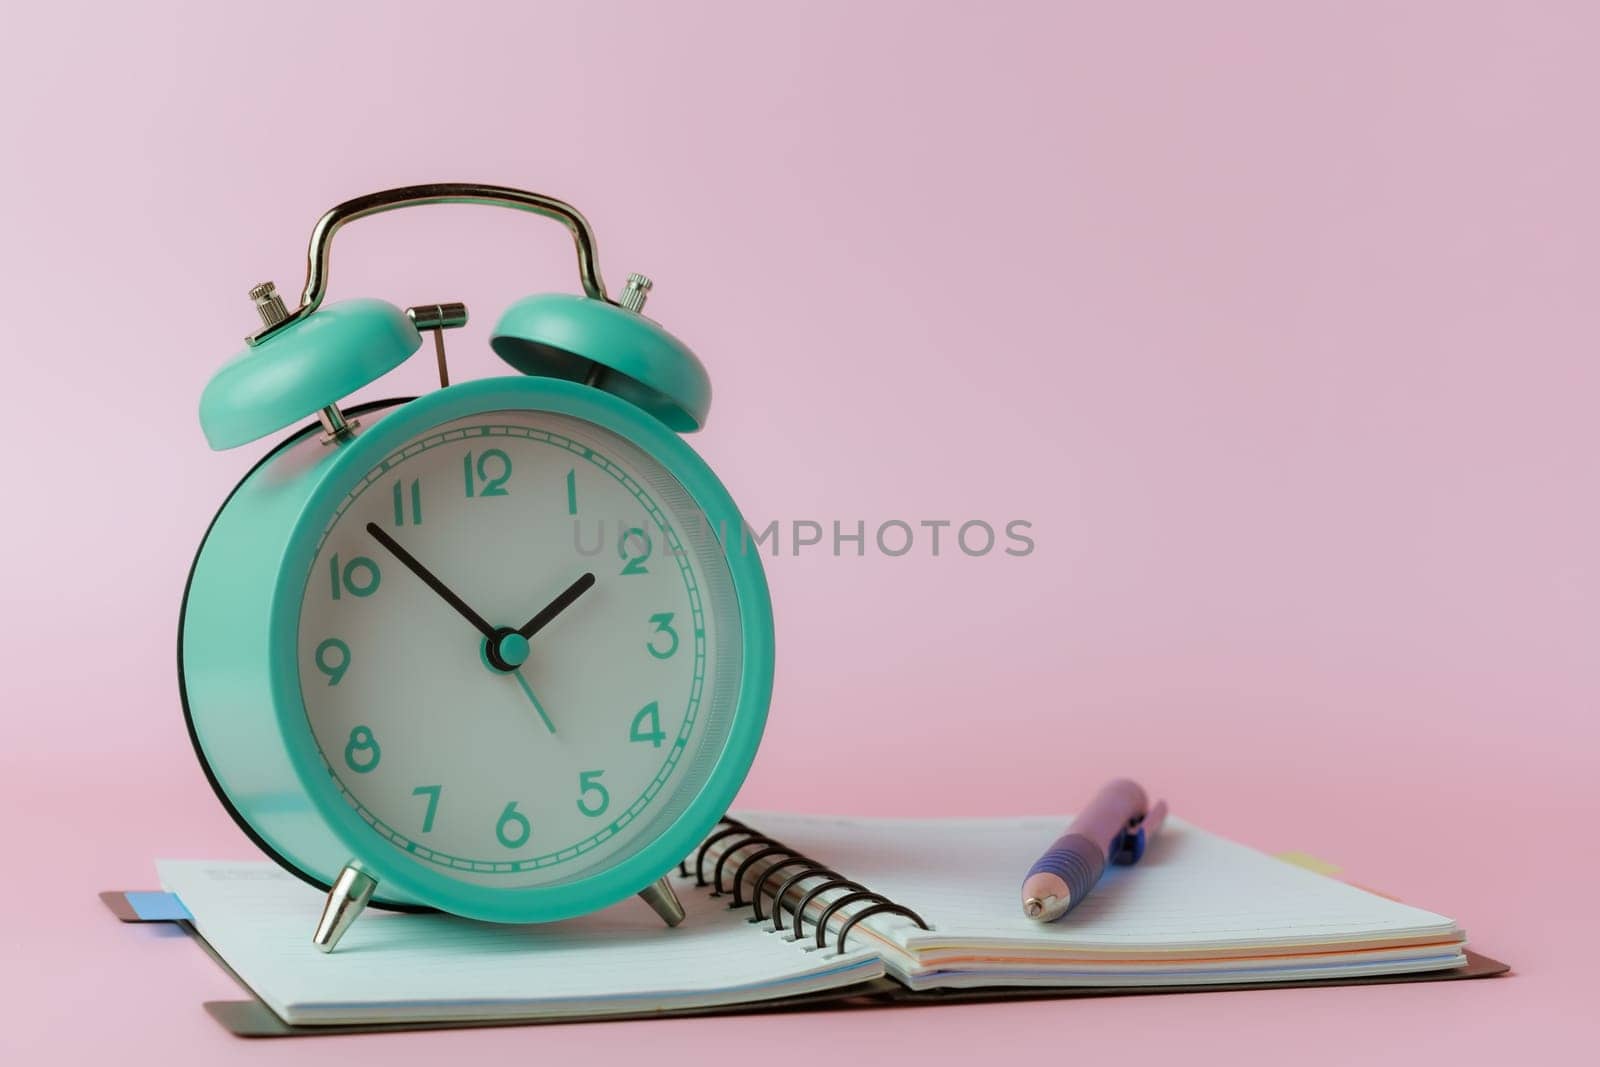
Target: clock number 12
493,471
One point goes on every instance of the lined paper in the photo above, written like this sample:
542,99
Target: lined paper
417,967
1197,907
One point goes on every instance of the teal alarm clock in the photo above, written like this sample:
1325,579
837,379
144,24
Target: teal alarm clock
500,650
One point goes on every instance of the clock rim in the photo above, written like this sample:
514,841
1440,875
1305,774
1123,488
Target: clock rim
655,858
250,832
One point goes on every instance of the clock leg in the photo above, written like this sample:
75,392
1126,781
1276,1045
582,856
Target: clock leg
665,902
348,896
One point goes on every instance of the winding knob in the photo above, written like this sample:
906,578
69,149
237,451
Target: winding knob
635,292
269,304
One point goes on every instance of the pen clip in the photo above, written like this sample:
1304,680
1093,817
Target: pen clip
1131,841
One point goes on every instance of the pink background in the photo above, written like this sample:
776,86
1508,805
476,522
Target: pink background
1277,321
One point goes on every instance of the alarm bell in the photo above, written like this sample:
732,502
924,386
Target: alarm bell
298,371
305,361
610,346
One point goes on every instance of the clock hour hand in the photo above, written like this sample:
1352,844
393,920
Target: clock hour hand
432,582
561,603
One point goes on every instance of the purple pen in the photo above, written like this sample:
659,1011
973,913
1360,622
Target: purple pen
1115,827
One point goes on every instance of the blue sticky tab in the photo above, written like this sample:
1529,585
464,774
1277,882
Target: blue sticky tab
158,907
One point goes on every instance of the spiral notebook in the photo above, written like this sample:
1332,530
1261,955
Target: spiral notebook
796,910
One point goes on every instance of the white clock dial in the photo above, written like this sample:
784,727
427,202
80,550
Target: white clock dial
502,759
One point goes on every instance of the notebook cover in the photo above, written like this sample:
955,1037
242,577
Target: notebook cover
252,1018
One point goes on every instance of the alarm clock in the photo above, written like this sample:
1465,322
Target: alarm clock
501,650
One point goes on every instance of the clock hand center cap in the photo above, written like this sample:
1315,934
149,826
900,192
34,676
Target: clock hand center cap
508,650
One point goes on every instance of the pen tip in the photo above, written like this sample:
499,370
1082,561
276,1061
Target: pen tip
1046,907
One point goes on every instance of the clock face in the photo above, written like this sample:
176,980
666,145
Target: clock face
519,648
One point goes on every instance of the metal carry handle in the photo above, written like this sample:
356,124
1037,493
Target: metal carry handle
317,255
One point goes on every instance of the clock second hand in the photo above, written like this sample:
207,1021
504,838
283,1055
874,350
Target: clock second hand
528,689
546,615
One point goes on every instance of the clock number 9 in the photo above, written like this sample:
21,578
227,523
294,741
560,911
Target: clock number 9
334,671
492,485
359,578
633,564
519,827
589,782
663,621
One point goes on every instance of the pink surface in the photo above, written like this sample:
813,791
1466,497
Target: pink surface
1278,322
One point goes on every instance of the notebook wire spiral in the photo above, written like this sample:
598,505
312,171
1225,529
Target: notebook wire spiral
740,837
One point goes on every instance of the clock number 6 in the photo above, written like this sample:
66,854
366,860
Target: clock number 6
663,621
519,828
589,782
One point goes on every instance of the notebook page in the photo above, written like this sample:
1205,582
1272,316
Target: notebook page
389,965
1193,891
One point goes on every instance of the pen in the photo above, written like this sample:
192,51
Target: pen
1114,828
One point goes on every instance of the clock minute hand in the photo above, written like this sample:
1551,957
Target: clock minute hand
431,581
561,603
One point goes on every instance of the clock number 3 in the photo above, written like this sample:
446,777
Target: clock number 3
663,621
